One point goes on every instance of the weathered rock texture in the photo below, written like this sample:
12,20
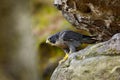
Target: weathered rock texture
96,62
100,18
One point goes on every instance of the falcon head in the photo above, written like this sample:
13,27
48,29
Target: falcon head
52,39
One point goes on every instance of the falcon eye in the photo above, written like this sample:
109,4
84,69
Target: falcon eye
52,39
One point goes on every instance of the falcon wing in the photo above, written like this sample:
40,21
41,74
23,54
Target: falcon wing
70,36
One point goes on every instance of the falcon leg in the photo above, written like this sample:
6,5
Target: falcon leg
64,59
72,49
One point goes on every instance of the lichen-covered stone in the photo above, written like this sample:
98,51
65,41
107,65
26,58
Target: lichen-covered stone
96,62
98,17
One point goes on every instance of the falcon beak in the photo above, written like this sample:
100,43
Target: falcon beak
47,41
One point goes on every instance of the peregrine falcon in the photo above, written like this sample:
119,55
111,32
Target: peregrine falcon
69,40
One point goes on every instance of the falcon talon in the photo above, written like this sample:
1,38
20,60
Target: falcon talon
69,40
64,59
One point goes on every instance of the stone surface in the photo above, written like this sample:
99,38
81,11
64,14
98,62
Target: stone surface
100,18
100,61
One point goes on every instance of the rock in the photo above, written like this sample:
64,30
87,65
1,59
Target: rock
99,18
100,61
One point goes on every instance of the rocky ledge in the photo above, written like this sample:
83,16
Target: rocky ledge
100,18
100,61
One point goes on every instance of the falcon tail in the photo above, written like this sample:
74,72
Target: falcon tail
90,39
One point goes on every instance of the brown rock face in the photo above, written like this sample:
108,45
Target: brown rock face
98,62
100,18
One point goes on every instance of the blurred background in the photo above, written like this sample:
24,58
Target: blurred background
18,58
47,20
